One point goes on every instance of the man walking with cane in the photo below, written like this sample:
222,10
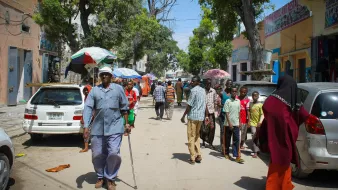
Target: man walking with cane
109,102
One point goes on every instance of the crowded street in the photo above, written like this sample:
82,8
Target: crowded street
160,159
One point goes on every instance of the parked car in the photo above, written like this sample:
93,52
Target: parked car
6,158
55,109
317,143
263,88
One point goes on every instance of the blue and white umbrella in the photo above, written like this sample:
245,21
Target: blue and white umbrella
126,73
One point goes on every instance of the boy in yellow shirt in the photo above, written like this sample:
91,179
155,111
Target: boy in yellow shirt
256,117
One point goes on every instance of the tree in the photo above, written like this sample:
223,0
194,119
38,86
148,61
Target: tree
105,28
206,49
142,31
162,52
227,13
160,9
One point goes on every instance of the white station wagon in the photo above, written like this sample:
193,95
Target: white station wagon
55,109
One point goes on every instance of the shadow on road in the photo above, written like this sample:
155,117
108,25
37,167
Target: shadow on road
91,179
181,156
251,183
320,178
57,141
216,154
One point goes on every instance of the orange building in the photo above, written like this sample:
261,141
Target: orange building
25,53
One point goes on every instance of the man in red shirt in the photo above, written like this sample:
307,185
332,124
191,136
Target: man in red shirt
131,96
243,113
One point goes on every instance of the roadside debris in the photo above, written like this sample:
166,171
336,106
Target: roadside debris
58,168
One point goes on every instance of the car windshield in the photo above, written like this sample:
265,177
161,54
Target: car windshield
58,96
326,106
263,89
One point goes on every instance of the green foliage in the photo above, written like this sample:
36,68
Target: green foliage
207,49
102,21
228,13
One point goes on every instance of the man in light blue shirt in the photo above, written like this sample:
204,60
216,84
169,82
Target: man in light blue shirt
196,111
109,102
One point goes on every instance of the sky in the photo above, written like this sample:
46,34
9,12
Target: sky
187,14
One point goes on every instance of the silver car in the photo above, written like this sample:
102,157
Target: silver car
264,89
317,143
6,158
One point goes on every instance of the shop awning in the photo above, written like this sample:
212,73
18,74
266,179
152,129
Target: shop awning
263,72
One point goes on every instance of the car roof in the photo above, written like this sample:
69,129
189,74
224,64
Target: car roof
318,86
63,86
253,82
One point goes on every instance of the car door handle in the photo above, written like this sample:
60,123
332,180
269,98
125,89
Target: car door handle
11,89
11,68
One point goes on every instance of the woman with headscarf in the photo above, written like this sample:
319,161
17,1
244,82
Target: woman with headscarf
85,92
284,114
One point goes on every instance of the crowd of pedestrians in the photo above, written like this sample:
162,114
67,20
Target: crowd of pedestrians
111,109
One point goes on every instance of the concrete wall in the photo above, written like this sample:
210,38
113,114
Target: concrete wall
11,35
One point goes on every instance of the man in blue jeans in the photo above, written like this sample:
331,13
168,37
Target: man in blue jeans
232,108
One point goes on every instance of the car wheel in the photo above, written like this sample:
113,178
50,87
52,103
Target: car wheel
5,169
36,137
299,172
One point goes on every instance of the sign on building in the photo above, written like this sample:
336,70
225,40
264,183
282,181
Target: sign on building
46,45
289,15
331,13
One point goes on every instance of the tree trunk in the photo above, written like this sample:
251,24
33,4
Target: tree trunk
247,15
84,14
224,65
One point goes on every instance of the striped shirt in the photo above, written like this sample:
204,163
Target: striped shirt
170,94
211,97
197,101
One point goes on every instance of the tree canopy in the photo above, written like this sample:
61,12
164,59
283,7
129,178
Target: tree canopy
123,25
206,49
229,13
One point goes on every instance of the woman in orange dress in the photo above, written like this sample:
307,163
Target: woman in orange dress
284,114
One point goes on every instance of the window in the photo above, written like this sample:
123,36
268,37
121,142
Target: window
59,96
326,106
25,28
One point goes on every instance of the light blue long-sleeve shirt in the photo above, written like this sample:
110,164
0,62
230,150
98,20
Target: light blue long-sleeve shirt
108,104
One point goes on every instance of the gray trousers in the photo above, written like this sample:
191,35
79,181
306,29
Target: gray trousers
106,155
255,148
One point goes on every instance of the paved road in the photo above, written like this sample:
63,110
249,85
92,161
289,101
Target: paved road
160,158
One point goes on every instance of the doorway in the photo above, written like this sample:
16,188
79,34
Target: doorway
234,73
302,70
244,67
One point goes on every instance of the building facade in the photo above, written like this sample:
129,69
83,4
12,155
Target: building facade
26,55
324,41
288,33
240,60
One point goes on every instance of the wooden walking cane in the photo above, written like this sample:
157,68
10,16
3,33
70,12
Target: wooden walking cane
132,161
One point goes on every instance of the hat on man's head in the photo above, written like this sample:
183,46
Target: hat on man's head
106,70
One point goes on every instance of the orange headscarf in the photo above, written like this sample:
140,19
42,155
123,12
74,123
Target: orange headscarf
89,88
